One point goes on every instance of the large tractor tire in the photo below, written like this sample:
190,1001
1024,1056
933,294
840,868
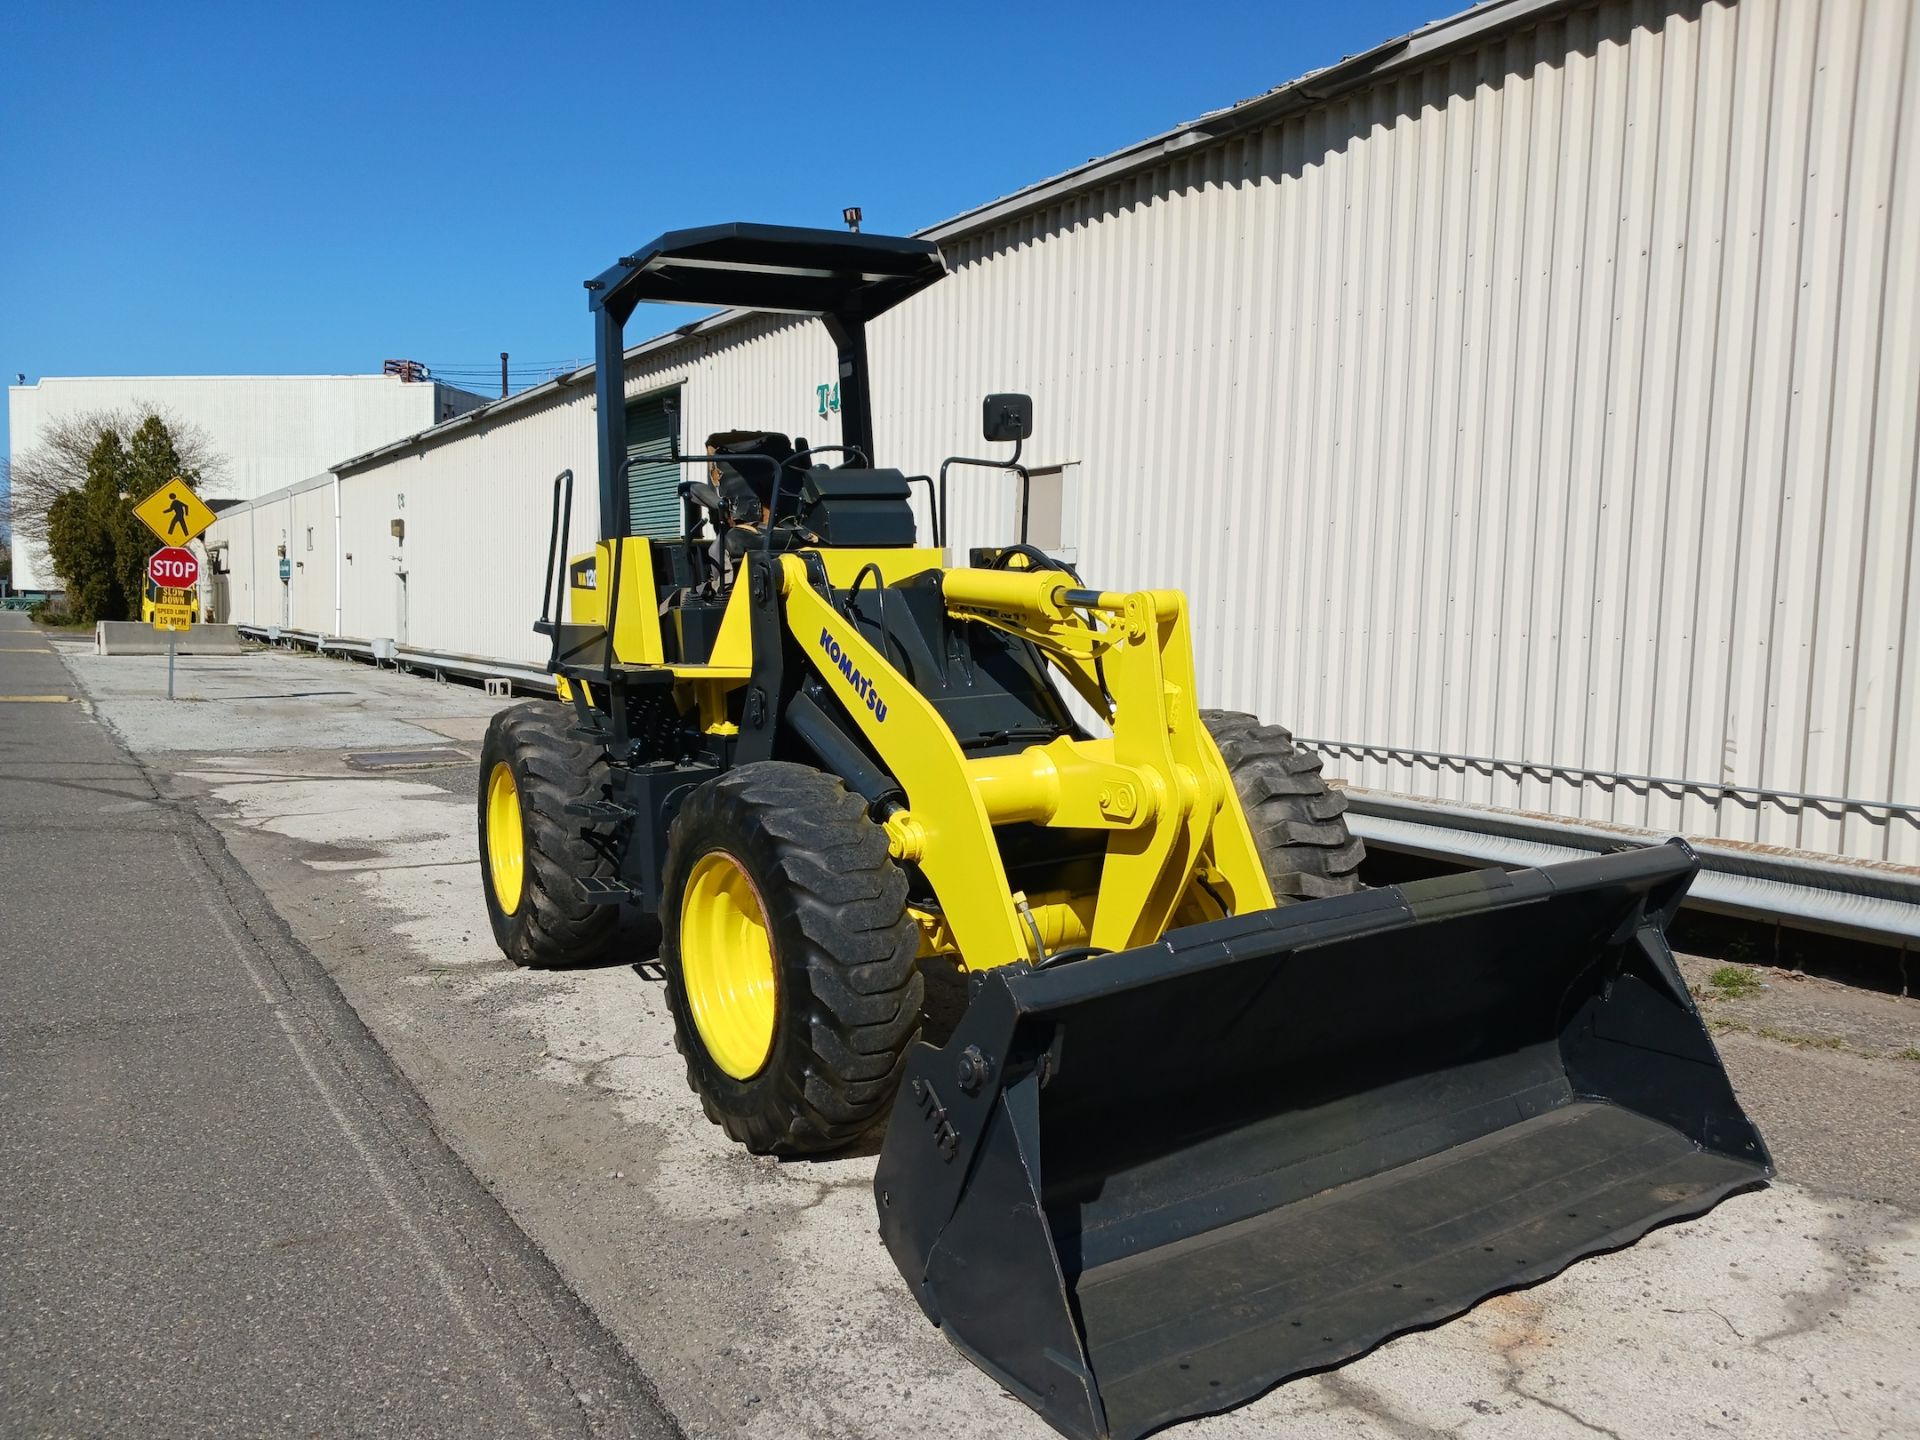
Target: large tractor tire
789,957
532,853
1299,824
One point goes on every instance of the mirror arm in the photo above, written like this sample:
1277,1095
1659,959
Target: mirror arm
1026,485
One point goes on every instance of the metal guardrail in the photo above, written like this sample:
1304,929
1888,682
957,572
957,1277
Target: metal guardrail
1577,774
1862,900
406,657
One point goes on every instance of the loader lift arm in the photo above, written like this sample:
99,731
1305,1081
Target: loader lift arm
1157,789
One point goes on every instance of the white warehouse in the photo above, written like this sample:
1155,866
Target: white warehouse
1528,407
272,430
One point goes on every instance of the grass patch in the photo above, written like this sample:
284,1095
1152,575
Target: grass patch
1802,1042
1733,982
1720,1025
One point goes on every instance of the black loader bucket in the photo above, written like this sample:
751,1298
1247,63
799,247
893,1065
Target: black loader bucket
1150,1185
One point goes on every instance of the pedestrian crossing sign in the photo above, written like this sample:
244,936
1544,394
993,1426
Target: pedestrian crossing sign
174,513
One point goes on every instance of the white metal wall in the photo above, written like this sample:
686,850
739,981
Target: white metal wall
476,519
1557,404
273,430
300,518
1554,404
477,511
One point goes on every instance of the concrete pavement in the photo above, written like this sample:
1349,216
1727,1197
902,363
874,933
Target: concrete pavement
222,1212
757,1291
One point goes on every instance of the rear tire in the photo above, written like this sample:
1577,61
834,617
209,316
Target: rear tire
1299,824
549,922
833,939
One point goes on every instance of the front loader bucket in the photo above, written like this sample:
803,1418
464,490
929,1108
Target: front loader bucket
1150,1185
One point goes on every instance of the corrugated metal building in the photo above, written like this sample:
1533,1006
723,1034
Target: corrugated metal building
1528,407
273,430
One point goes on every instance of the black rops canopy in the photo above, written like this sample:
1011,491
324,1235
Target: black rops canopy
771,267
844,278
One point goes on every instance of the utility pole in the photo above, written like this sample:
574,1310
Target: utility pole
503,374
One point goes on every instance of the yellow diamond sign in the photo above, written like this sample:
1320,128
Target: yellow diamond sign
174,513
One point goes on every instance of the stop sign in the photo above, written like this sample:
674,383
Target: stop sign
174,569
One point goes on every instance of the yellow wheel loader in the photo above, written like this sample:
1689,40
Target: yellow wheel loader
1211,1113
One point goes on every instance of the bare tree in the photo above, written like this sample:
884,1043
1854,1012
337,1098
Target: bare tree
57,461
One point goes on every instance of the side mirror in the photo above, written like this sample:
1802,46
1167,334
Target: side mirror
672,408
1007,417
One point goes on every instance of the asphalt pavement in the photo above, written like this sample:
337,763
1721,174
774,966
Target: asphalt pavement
755,1291
222,1210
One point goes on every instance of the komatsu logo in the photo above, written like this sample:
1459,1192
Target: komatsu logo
862,686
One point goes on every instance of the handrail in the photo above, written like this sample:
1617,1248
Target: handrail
556,543
933,513
1012,463
553,606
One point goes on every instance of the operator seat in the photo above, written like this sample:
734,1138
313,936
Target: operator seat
816,504
748,487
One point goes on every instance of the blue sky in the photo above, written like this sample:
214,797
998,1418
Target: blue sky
274,188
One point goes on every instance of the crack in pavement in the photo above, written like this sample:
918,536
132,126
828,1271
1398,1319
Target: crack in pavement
1519,1320
1708,1310
1354,1395
1513,1387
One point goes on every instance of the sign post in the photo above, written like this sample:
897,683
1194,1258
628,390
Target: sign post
174,572
176,515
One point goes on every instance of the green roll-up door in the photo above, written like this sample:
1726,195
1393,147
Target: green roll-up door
653,500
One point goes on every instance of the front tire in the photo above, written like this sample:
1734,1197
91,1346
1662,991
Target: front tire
532,853
789,957
1299,824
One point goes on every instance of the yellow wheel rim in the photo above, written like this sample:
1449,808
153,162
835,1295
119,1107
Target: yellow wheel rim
726,963
506,841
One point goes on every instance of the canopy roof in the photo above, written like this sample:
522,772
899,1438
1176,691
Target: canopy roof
771,267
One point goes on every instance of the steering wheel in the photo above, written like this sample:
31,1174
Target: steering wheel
1036,558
